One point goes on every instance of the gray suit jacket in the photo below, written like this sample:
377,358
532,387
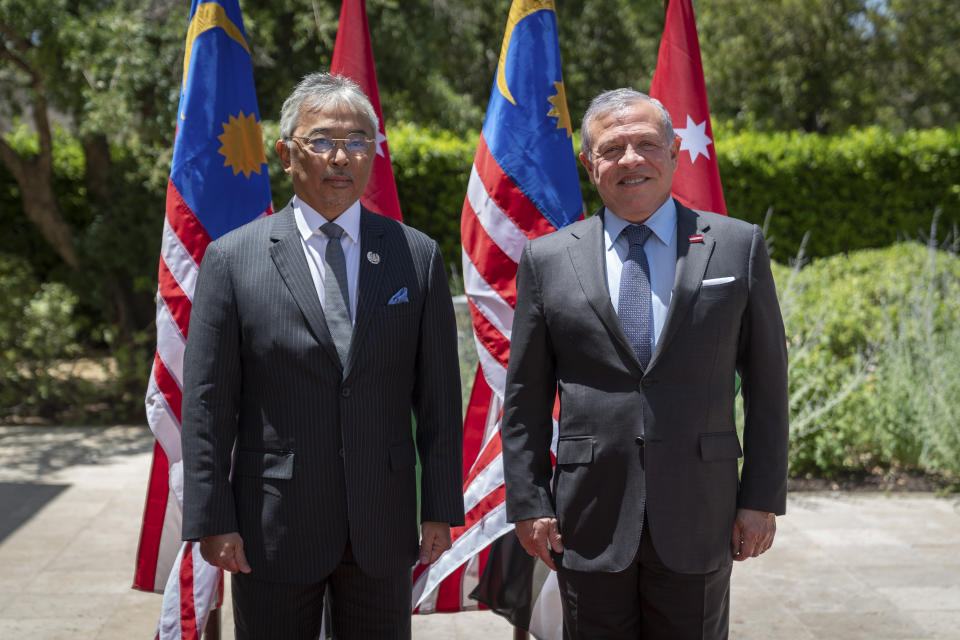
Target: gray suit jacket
661,442
323,452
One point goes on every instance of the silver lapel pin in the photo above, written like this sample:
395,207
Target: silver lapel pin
373,257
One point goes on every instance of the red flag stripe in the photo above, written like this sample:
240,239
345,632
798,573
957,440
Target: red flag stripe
168,386
501,228
475,515
174,298
185,224
496,344
490,453
475,421
188,613
495,266
488,301
154,510
448,593
508,196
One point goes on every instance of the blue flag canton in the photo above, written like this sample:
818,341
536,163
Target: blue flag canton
219,163
528,128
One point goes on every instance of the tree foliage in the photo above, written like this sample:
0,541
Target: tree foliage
89,89
824,66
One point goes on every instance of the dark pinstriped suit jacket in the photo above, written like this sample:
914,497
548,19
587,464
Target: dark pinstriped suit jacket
659,443
323,452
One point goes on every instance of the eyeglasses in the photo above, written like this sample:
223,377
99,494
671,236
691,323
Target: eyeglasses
355,144
616,151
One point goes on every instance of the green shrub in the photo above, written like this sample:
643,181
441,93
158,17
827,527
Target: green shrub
874,343
37,335
866,188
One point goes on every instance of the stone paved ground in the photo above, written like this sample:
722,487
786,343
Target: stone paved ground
844,565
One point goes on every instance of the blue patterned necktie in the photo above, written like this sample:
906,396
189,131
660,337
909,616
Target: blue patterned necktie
336,293
635,307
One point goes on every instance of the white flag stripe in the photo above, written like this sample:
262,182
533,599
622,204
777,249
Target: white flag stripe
494,373
501,229
206,579
428,602
546,617
476,538
178,260
163,423
484,483
170,342
492,427
170,540
470,580
486,299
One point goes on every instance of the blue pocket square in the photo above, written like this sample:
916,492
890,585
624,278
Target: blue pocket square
399,297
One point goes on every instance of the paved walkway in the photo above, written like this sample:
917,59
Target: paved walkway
844,566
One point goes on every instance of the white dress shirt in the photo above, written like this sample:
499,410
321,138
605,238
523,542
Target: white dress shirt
315,246
661,251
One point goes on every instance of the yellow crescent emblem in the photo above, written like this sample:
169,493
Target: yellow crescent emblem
209,15
519,10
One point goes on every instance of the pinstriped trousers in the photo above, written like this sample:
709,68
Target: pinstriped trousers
361,607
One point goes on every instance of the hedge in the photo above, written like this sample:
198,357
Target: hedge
866,188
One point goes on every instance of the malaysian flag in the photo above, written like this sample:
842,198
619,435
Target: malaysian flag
523,184
218,181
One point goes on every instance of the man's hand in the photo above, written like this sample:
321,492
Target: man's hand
225,551
753,533
434,540
538,536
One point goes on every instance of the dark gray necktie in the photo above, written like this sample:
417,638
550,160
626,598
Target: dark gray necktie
635,306
336,293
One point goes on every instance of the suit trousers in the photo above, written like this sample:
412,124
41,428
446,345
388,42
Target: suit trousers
647,601
361,607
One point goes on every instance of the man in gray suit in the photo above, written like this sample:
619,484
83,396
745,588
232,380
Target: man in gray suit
641,316
315,333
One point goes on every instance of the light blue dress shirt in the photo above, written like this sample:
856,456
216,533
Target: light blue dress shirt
661,250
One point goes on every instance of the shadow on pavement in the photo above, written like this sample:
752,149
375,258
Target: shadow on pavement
18,503
31,454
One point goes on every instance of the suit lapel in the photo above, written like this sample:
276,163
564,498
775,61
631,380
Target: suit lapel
692,259
286,251
587,255
369,279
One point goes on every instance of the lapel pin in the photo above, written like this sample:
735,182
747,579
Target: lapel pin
373,257
695,238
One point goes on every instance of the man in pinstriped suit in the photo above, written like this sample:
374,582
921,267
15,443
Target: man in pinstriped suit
310,345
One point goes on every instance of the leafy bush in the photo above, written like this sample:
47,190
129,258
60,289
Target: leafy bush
874,343
866,188
36,334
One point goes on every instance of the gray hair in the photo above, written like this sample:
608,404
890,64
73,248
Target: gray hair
319,90
619,100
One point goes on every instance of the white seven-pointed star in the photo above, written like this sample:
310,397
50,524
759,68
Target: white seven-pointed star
380,139
694,139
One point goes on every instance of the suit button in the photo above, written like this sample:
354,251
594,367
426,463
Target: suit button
340,452
345,392
646,383
639,440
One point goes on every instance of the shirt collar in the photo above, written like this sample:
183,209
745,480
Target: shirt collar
309,220
663,223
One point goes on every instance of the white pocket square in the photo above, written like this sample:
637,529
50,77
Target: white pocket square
399,297
712,282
